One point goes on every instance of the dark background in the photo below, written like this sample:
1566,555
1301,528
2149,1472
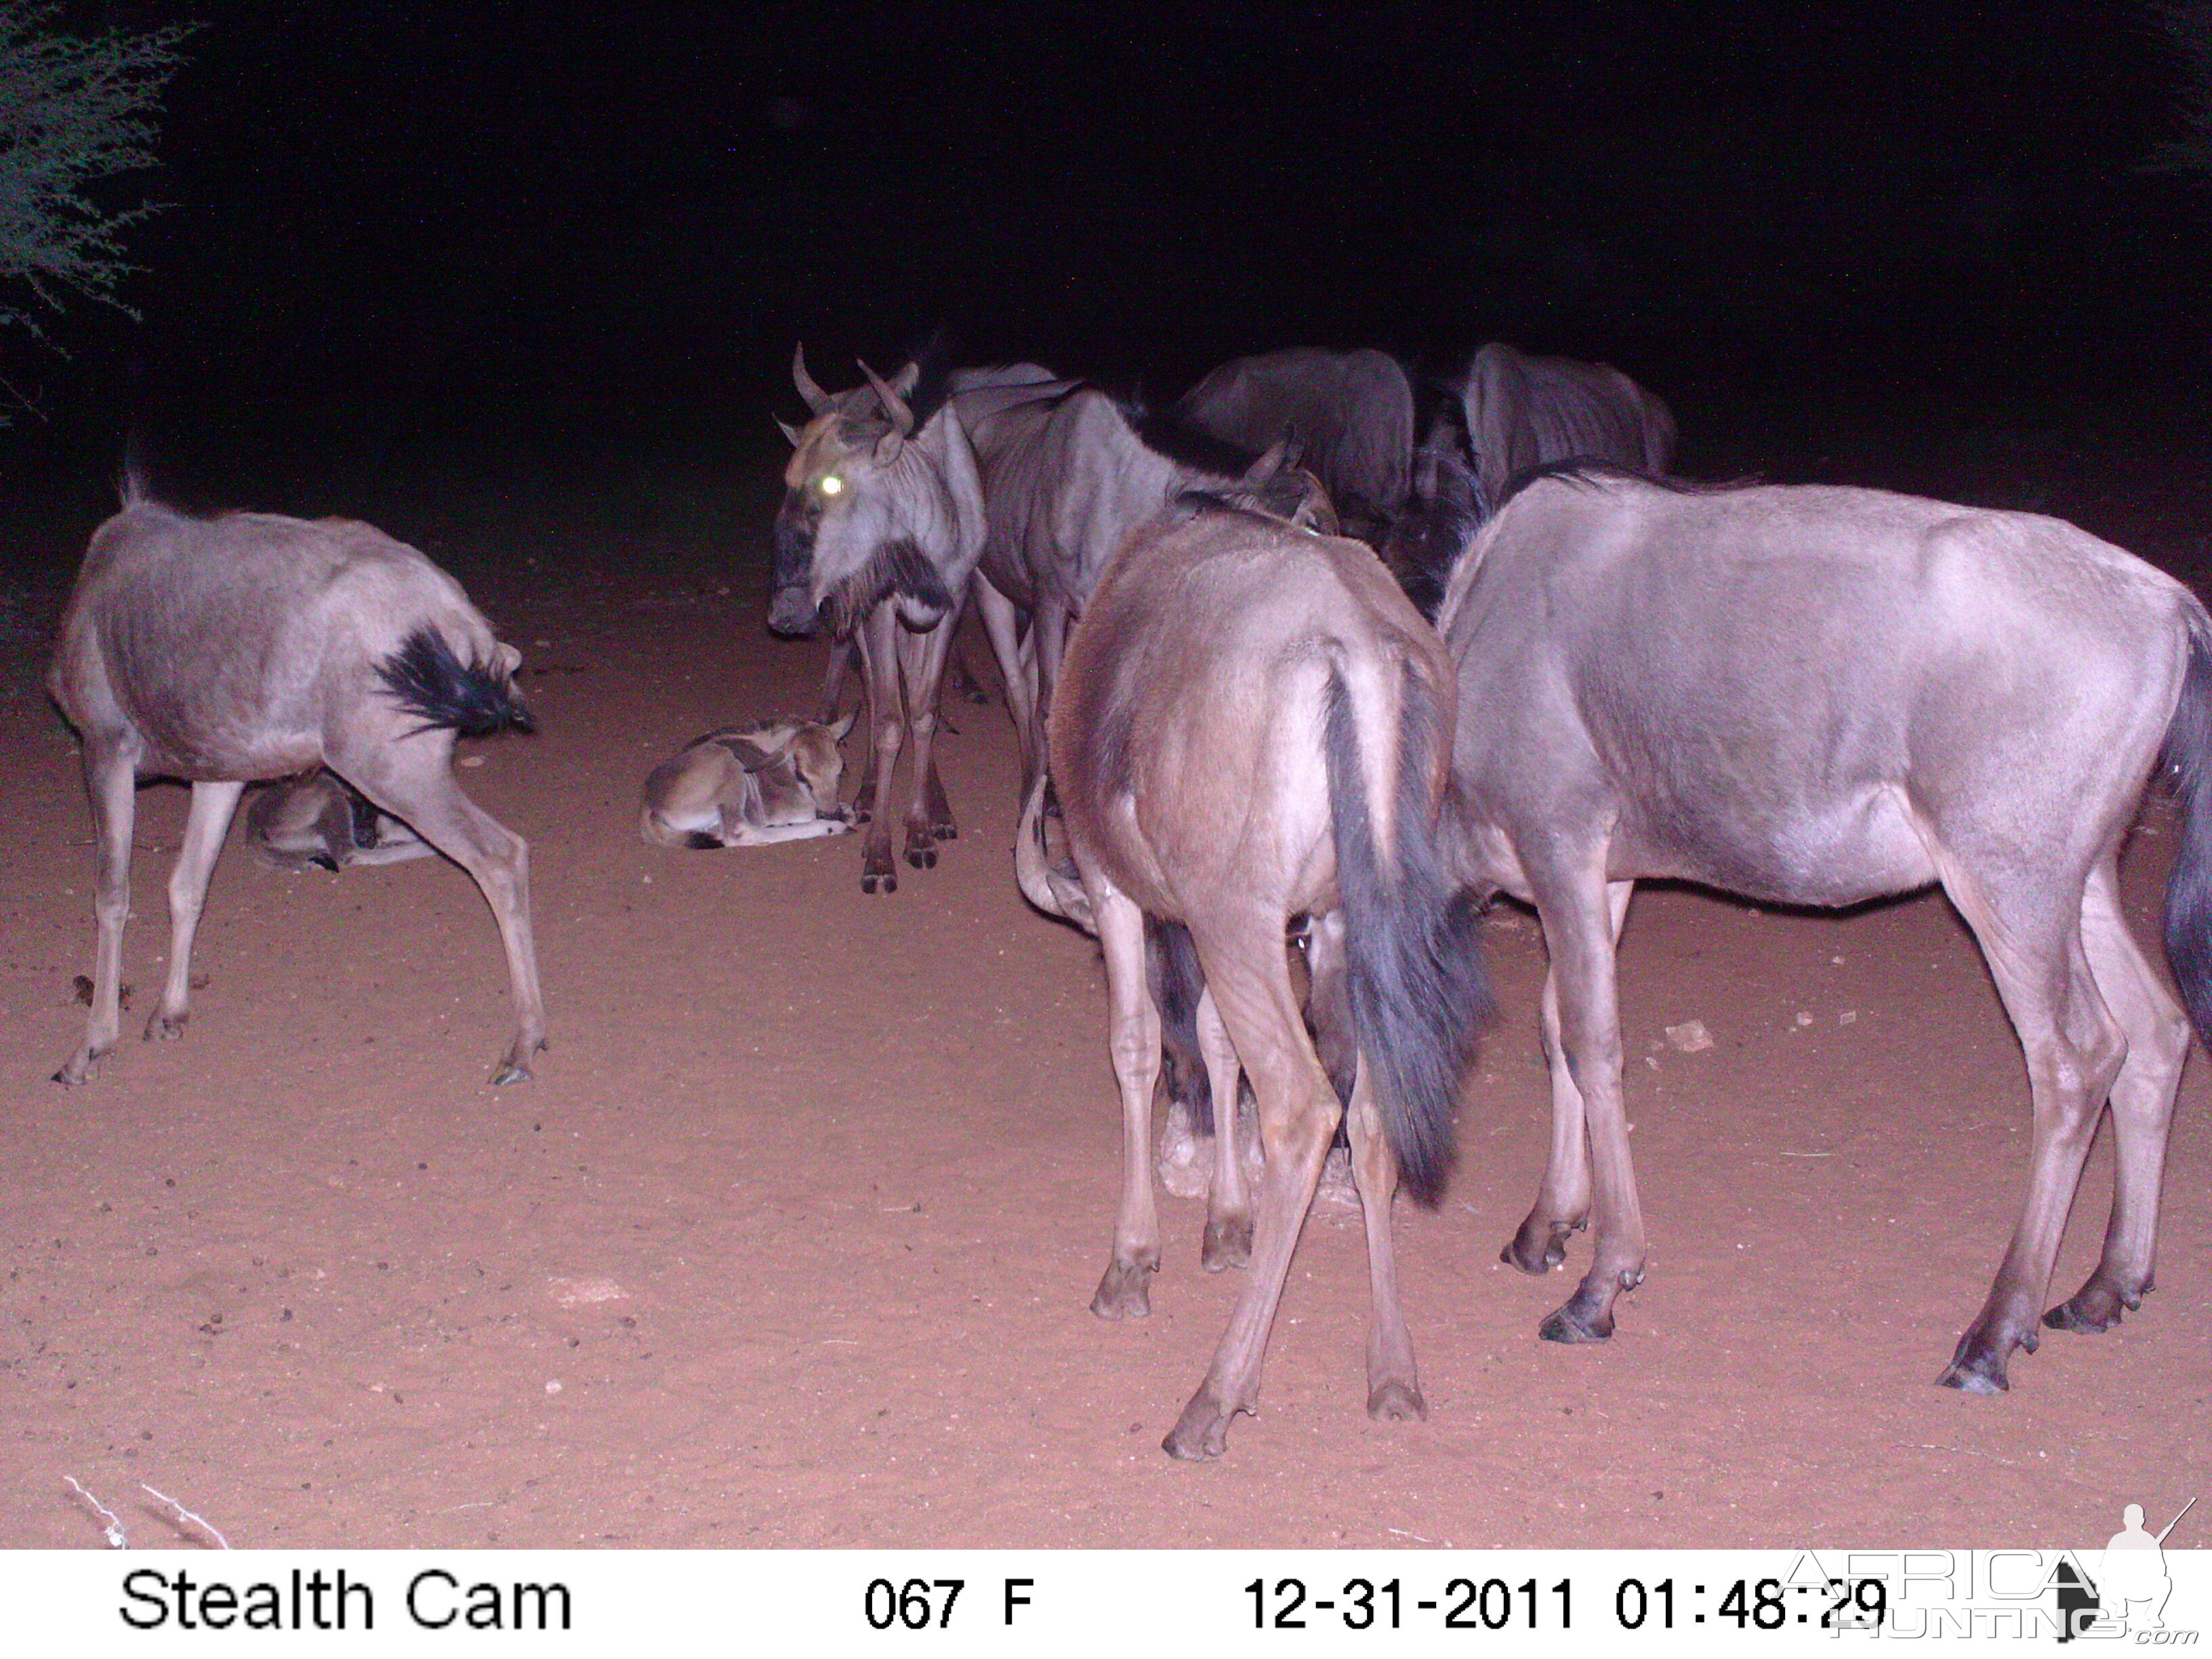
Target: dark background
560,226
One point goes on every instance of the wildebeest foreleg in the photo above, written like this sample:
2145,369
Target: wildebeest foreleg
2142,1110
1228,1203
1578,911
878,637
1002,627
111,778
412,778
1248,975
1133,1027
2073,1048
1394,1387
921,671
205,825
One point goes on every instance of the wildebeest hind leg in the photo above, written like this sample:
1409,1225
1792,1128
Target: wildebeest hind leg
1563,1200
205,825
111,780
1228,1203
1134,1037
2143,1110
412,778
2073,1048
1250,982
1394,1387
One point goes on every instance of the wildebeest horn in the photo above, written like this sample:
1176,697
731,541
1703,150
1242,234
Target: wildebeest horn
817,399
894,405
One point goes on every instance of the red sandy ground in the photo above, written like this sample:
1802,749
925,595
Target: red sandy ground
790,1241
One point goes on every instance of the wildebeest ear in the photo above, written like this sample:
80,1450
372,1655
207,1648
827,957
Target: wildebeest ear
1277,457
844,726
888,446
509,658
750,755
789,431
907,379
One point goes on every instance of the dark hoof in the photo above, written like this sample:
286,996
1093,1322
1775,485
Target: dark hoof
1228,1243
1125,1292
870,882
922,858
861,814
323,861
165,1028
2095,1307
1540,1246
515,1068
1978,1367
945,831
80,1067
1202,1431
1574,1323
1397,1402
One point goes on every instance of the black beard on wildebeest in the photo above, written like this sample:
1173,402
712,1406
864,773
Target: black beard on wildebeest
898,569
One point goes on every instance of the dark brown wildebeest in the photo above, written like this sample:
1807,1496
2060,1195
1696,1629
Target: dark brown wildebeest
1812,696
221,651
1254,726
1525,411
1349,413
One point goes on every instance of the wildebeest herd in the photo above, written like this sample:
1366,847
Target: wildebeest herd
1299,690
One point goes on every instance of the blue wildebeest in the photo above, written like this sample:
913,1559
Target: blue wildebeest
881,525
1813,695
1068,473
1524,412
221,651
1349,413
320,821
1254,726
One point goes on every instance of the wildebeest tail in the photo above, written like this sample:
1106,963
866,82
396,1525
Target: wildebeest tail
428,680
1414,966
2188,761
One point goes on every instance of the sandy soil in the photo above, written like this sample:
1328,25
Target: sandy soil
791,1240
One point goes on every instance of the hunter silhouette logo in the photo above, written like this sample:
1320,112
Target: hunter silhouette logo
2129,1592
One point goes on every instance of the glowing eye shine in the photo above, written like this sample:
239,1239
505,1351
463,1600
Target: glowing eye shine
832,485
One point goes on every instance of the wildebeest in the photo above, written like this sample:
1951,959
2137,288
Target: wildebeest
1068,473
1253,725
1816,695
881,525
322,822
1525,411
221,651
749,786
1349,413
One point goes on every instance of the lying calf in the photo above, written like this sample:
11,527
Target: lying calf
748,786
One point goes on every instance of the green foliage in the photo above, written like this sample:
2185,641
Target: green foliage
74,110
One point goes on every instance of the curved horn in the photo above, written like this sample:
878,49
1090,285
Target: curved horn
817,399
894,405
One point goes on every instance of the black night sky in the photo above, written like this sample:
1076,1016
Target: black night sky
610,222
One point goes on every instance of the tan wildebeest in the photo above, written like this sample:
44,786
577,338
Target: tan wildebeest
320,821
1254,725
1820,696
748,786
222,651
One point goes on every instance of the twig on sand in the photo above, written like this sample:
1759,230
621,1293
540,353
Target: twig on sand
110,1529
184,1518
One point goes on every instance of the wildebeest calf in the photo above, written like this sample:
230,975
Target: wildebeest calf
222,651
748,786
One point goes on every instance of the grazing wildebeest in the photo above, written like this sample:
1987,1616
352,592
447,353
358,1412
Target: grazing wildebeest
221,651
321,822
1349,413
1443,508
749,786
1254,726
1812,696
1524,412
1068,472
881,525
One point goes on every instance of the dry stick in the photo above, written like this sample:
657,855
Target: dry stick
112,1529
185,1517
